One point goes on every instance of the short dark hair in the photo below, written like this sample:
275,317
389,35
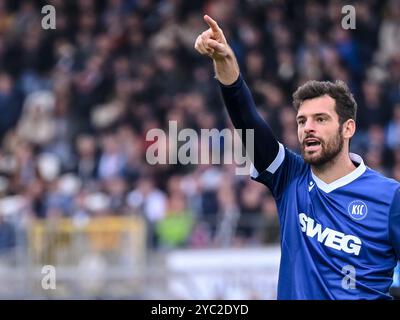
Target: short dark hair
345,105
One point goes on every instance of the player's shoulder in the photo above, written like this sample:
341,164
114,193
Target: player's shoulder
378,181
294,156
295,161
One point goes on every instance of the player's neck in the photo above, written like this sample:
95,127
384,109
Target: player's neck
335,169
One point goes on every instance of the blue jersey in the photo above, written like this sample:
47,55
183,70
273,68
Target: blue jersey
339,240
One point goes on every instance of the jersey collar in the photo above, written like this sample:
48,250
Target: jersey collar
357,172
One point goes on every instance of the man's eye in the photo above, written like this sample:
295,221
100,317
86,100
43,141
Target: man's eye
321,119
301,122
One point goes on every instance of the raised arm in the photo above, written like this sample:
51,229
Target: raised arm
237,96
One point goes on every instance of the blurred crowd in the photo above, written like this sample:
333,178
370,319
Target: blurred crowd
77,102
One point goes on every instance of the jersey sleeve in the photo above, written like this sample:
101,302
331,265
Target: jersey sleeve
243,113
281,172
394,223
272,163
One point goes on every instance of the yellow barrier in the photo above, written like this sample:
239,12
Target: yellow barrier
61,241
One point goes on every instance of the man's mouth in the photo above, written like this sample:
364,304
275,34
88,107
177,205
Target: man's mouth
311,144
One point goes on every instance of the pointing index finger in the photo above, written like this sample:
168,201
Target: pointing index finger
212,23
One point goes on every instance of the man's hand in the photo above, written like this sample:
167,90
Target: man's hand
212,43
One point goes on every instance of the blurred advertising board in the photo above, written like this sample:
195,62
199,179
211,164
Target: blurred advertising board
245,273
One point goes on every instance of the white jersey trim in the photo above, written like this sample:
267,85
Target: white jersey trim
273,166
329,187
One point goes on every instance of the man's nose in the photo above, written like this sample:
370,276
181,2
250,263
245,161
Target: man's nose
309,126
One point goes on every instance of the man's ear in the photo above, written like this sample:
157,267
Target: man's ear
349,128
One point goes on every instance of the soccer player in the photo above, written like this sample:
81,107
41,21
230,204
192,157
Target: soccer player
339,219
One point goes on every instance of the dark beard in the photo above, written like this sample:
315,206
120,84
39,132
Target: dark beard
329,151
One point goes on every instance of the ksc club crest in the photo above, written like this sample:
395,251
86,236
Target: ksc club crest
357,210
